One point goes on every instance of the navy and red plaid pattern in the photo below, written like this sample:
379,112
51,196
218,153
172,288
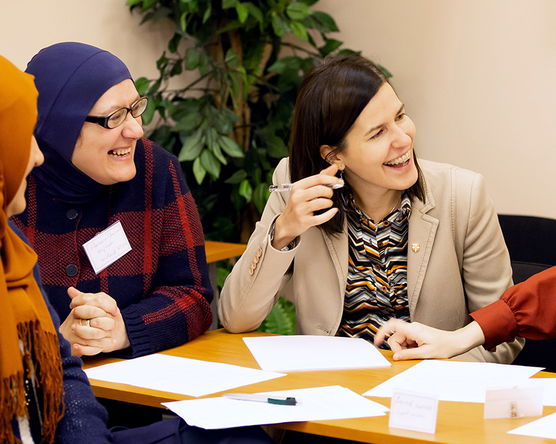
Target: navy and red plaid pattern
162,285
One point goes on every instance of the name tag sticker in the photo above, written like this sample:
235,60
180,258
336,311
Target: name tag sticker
515,402
413,411
107,247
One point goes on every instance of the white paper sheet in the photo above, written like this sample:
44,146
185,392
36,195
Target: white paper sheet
179,375
455,381
319,403
306,352
541,428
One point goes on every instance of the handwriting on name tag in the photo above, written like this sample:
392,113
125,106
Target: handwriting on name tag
107,247
413,411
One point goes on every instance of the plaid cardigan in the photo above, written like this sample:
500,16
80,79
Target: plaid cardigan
161,286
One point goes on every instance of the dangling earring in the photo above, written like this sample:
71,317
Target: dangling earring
341,174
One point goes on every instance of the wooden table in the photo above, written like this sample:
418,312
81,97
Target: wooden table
458,422
219,251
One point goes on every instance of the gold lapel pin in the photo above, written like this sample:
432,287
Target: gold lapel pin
415,248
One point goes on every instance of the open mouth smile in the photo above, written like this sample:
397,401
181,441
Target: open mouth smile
399,162
120,152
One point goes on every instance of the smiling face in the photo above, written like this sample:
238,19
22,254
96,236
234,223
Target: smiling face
106,155
378,153
18,203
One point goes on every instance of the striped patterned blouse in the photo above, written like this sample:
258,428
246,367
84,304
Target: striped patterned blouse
376,287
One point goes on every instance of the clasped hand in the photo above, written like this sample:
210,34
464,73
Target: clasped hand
94,325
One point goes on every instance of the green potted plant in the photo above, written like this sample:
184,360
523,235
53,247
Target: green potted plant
224,97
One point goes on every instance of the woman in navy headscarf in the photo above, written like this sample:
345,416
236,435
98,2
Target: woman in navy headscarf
100,173
44,393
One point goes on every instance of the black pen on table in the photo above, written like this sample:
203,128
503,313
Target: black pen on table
290,400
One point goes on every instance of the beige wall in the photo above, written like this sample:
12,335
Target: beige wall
26,26
477,76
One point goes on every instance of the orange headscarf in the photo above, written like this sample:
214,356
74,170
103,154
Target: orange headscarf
26,329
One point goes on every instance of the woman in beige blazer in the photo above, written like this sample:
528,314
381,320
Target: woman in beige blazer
390,237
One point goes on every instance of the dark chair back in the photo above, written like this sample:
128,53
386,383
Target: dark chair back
531,242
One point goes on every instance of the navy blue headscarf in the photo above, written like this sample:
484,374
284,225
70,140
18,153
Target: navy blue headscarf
70,78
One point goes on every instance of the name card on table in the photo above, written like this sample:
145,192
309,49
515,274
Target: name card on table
413,411
107,247
515,402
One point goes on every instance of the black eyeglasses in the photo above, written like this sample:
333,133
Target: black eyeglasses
118,117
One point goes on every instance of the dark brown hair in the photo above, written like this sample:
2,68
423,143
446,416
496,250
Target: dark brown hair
329,100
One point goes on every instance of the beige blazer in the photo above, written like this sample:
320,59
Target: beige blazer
457,262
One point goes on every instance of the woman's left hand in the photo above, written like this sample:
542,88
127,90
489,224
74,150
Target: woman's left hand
106,332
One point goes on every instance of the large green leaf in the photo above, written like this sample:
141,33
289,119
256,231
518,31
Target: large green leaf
260,196
148,4
231,58
242,12
245,190
281,66
198,171
323,22
192,147
188,122
148,115
237,177
174,42
299,30
276,147
329,46
142,85
183,21
215,149
207,13
298,11
278,24
231,147
192,58
254,11
210,163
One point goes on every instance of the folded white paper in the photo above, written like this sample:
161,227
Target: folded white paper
547,386
513,402
306,352
454,380
541,428
179,375
314,404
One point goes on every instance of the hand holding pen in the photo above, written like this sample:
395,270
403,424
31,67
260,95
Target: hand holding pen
307,195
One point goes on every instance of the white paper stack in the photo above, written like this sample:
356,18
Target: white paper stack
314,404
179,375
308,353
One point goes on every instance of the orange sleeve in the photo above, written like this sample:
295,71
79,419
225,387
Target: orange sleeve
527,310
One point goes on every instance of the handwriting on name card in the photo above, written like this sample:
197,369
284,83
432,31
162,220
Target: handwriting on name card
413,411
107,247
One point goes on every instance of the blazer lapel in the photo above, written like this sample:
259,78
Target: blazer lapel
422,231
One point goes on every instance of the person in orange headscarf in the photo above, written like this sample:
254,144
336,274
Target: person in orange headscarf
30,364
44,394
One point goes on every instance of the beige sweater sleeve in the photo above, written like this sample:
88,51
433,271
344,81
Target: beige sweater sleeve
252,287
